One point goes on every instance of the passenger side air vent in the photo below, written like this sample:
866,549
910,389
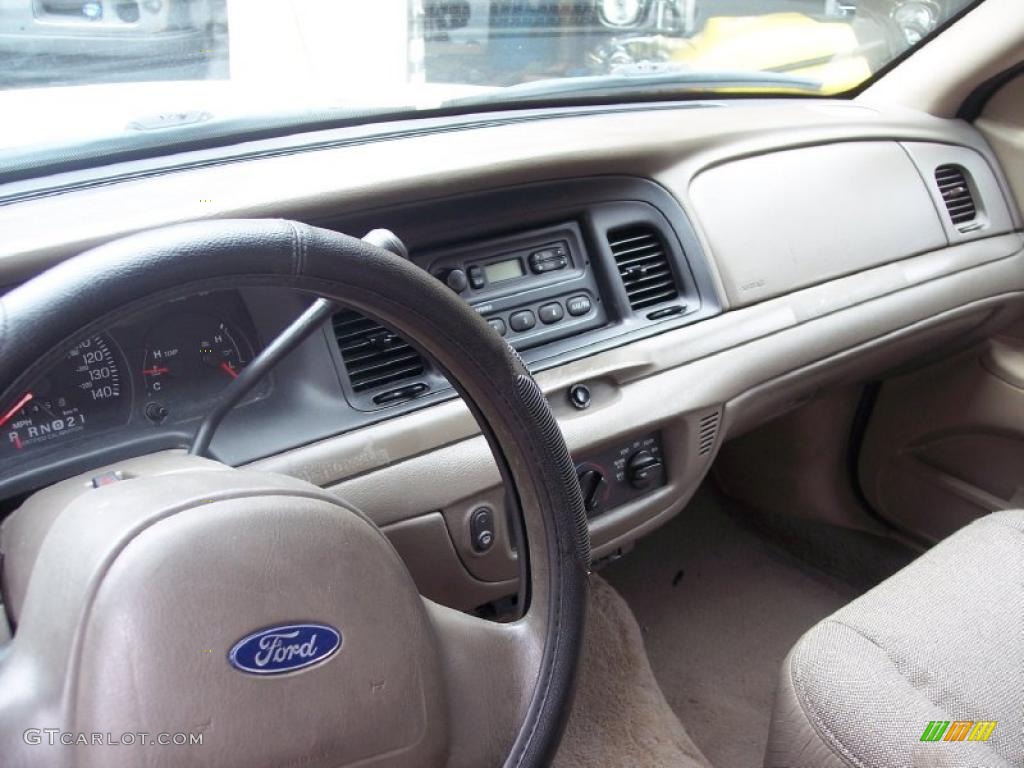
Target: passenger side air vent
956,193
642,260
374,356
707,433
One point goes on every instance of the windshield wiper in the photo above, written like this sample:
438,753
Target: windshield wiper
661,83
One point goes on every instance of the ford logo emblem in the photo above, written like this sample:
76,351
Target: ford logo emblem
286,648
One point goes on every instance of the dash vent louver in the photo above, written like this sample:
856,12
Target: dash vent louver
642,260
374,356
956,193
707,433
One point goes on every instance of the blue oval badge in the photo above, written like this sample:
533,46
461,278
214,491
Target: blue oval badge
276,650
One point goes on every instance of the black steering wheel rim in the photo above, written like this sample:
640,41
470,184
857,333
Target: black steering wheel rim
96,289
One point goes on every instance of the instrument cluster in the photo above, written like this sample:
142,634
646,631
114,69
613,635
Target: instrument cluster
160,371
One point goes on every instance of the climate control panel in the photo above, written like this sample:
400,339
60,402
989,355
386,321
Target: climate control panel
617,475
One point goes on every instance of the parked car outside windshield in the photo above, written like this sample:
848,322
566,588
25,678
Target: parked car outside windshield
81,76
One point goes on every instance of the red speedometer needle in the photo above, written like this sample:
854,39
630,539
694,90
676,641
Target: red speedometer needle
226,367
25,400
155,371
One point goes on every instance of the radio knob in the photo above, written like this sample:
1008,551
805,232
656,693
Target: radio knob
456,280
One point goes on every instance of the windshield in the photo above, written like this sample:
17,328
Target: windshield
100,76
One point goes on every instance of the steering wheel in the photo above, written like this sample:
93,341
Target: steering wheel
258,611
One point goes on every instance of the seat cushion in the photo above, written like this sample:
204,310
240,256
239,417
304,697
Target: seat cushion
942,640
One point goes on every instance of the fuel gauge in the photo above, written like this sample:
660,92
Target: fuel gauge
188,360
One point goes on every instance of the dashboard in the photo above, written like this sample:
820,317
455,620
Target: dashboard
672,276
620,262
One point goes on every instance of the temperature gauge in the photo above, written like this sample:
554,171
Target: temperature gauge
188,360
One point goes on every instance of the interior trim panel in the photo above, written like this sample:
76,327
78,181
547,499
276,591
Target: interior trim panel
800,227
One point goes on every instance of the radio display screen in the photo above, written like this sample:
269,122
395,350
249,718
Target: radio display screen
503,270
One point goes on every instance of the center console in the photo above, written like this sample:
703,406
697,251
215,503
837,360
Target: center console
561,271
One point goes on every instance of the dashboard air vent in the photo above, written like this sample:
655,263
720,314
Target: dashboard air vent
707,433
374,356
956,193
643,265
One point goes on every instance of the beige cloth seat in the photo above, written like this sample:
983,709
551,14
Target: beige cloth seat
942,640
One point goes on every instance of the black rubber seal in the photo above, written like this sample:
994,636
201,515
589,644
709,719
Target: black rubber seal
979,98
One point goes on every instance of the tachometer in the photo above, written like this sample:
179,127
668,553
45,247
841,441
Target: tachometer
82,392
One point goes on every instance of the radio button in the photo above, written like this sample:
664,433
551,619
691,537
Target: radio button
498,325
548,259
476,278
551,313
578,305
522,321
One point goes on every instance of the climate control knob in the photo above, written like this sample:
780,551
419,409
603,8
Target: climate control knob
594,486
644,470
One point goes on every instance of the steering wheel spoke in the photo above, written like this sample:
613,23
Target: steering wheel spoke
489,669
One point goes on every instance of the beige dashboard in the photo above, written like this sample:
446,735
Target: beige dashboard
831,251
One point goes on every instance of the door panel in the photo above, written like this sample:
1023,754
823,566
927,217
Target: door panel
945,444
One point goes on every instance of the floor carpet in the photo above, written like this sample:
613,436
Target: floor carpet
719,606
620,718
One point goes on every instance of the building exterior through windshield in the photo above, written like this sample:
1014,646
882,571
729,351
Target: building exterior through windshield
360,46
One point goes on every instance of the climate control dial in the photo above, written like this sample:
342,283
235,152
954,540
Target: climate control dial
594,486
644,470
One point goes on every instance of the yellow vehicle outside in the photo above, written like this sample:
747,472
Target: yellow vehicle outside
827,52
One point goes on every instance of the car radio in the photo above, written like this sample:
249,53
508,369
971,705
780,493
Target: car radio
532,288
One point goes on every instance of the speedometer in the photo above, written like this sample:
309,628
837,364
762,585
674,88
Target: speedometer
82,392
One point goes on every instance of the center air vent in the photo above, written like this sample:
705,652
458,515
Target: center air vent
643,265
374,356
956,193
